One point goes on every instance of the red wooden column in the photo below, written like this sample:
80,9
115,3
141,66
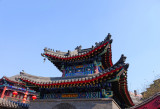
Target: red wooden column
4,90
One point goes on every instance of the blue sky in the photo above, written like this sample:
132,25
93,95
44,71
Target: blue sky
27,26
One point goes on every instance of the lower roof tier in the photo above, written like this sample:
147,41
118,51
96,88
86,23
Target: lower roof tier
116,71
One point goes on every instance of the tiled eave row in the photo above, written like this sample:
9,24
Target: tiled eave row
78,56
6,104
11,81
108,73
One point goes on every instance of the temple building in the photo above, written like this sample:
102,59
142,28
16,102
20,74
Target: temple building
14,94
89,80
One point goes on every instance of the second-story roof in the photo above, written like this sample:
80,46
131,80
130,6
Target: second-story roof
102,49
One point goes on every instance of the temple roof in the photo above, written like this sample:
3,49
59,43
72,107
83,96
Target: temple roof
102,49
12,79
78,50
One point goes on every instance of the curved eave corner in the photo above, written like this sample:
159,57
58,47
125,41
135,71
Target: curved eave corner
123,87
11,81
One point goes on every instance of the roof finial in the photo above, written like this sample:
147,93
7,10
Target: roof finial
78,48
108,37
69,52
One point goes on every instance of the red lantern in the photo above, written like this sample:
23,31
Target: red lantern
34,97
14,93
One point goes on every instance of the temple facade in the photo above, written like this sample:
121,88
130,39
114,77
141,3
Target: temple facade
89,80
